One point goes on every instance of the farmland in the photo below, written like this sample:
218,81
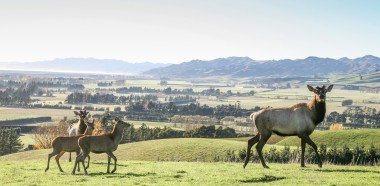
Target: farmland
195,161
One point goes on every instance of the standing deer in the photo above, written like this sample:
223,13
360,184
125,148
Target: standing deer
104,143
64,144
298,120
79,127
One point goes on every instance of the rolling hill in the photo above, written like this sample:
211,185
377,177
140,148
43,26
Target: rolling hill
240,67
203,149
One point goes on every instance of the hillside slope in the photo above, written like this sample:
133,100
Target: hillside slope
203,149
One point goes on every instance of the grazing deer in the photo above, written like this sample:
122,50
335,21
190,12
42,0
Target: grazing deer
64,144
79,127
298,120
104,143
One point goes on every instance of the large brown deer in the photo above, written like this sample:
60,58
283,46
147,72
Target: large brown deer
64,144
298,120
104,143
79,127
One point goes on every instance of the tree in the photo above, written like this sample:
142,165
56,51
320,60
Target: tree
163,83
10,141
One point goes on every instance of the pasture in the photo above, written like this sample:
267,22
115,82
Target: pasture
186,161
31,172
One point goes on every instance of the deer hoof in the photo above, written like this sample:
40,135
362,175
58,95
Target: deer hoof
266,167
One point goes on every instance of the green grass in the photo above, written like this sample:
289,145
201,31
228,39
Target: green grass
165,162
352,138
31,172
176,149
27,139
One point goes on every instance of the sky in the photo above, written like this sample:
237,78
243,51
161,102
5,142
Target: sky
175,31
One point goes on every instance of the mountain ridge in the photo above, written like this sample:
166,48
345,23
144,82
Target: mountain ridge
240,67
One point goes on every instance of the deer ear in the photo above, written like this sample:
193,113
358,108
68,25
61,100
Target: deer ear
329,88
76,112
310,88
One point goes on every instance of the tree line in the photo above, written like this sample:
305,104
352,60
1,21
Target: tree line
366,117
144,132
17,94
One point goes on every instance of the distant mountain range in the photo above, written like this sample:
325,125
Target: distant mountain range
236,67
87,65
247,67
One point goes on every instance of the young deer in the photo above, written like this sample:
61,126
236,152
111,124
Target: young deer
79,127
298,120
104,143
64,144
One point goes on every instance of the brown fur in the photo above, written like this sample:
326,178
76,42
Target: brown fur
298,120
64,144
104,143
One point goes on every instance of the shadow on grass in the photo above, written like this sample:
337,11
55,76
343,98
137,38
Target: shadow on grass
118,175
103,163
264,179
347,170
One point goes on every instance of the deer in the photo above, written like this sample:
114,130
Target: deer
64,144
298,120
104,143
79,127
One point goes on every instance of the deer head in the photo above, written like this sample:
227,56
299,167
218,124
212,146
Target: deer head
124,124
320,92
91,126
82,114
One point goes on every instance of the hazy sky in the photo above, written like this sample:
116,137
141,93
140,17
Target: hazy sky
174,31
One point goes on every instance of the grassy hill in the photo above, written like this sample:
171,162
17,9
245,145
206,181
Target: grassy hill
202,149
27,168
179,149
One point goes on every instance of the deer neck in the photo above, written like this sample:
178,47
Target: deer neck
318,110
82,126
88,131
117,133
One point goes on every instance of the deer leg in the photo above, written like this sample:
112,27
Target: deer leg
259,147
108,164
303,145
76,163
314,146
83,157
251,142
110,154
57,160
88,162
49,156
77,152
70,157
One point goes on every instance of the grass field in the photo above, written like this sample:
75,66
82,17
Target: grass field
31,172
165,162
